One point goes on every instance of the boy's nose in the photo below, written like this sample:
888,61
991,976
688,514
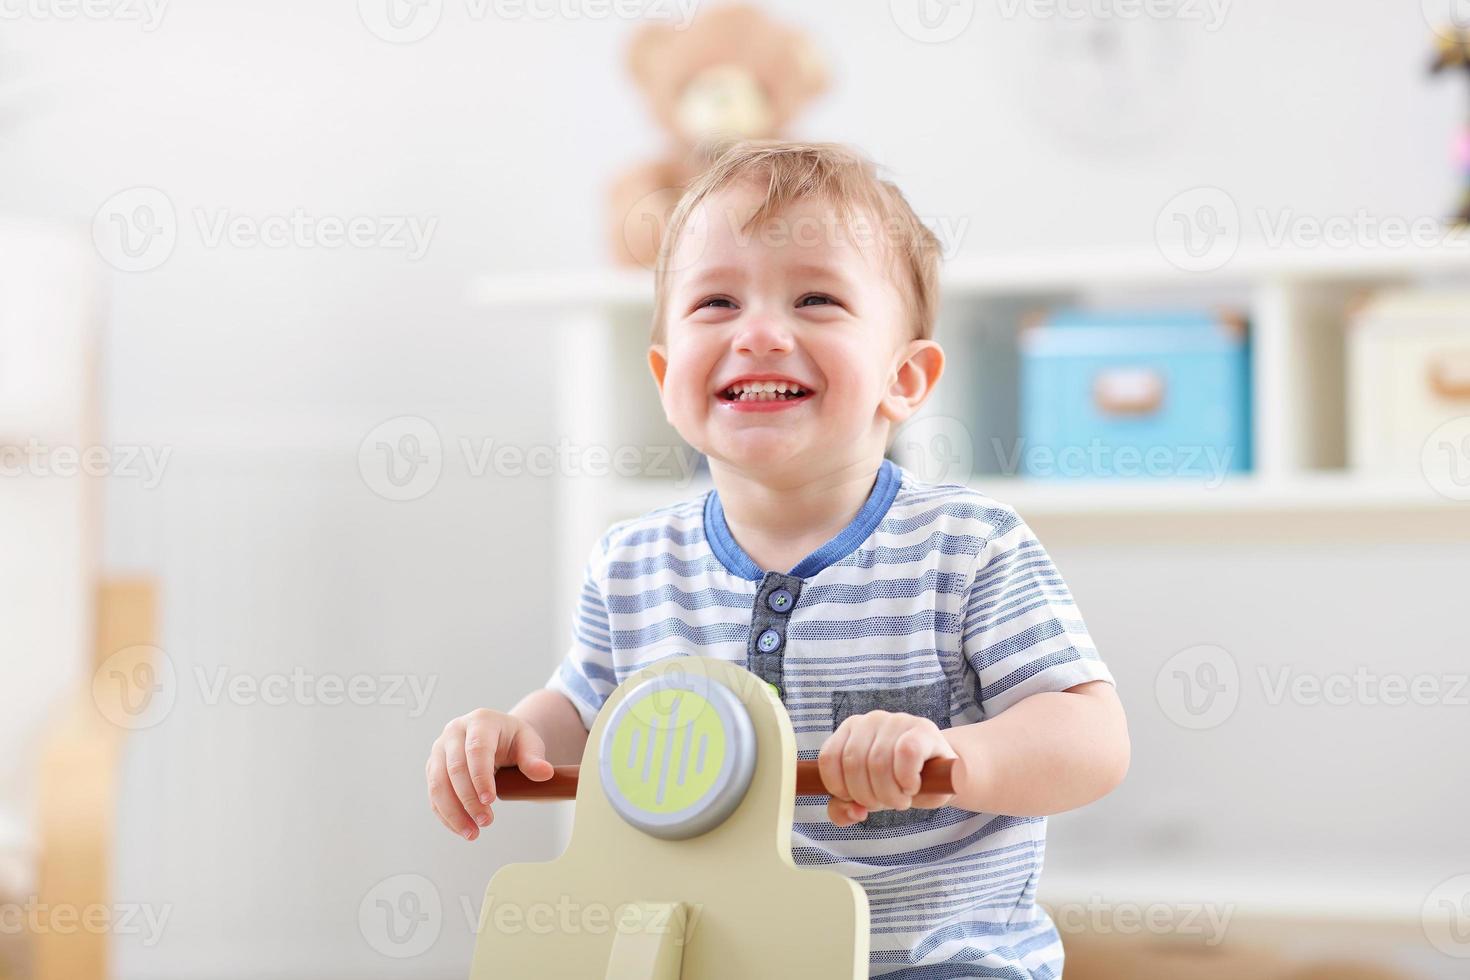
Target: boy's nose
763,334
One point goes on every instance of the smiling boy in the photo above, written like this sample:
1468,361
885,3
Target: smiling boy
897,621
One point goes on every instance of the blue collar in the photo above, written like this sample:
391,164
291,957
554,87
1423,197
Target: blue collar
734,558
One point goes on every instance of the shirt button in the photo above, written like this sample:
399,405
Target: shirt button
768,642
780,600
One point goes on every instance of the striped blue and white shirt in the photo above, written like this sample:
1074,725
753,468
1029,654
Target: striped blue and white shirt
936,600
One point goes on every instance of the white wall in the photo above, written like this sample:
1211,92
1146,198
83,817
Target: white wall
262,370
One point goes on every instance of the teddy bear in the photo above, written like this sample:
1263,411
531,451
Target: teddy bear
1452,53
732,74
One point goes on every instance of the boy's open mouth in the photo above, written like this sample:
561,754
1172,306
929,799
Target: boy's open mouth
782,390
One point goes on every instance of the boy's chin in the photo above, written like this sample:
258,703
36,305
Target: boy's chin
750,458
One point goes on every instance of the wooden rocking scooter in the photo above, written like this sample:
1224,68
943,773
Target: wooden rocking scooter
679,863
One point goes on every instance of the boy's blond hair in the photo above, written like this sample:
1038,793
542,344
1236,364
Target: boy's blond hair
836,174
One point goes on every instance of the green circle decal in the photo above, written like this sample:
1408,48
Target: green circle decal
667,751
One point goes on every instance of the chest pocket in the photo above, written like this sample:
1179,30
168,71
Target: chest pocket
929,700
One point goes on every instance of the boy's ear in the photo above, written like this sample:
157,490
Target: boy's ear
920,364
658,363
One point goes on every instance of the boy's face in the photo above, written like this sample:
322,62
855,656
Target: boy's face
798,301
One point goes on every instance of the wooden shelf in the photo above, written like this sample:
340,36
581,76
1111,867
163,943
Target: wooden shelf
1306,493
1121,499
1340,894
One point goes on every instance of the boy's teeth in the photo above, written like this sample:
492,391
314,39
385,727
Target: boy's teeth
765,396
765,390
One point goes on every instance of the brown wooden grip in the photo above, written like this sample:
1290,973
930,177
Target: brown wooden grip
937,776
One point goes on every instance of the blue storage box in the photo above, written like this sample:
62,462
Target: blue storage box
1155,394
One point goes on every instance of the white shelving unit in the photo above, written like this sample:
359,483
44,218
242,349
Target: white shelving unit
1297,304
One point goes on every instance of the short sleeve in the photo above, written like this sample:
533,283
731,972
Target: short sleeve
585,675
1023,633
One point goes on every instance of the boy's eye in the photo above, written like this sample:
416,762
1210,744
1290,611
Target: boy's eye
814,299
716,301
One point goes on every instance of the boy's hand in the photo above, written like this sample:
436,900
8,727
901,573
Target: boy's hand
462,764
872,762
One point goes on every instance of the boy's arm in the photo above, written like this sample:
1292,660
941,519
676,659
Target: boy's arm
1047,753
558,723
